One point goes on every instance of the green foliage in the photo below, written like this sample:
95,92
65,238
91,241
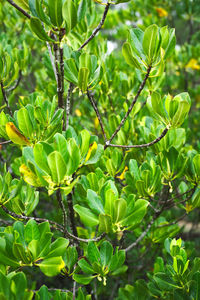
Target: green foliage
99,144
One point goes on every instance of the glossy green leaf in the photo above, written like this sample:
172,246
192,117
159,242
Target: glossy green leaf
37,28
83,77
55,12
69,14
151,42
57,166
129,56
105,223
51,266
106,252
86,216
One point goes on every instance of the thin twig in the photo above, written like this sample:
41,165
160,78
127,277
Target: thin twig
58,75
61,204
173,223
92,101
52,61
74,290
71,214
54,225
142,235
142,145
96,30
180,195
39,220
12,88
5,98
61,57
67,106
19,8
5,142
130,107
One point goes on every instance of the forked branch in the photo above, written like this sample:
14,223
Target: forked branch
142,145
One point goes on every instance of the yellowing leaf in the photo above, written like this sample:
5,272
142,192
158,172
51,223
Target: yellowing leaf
188,208
93,147
161,12
15,136
29,176
193,64
96,123
78,113
121,177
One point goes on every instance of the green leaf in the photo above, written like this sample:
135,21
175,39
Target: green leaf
105,223
171,44
71,72
139,211
151,42
135,39
23,4
109,202
86,216
55,12
106,252
5,287
83,77
95,154
93,253
120,208
83,279
165,282
82,10
19,284
43,293
58,247
31,231
69,15
129,56
40,157
61,146
37,28
51,266
74,156
94,202
57,166
85,267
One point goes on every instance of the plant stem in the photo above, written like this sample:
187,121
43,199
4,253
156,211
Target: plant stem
142,145
58,76
130,107
92,101
96,30
67,106
19,8
71,214
12,88
5,98
61,204
39,220
61,57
